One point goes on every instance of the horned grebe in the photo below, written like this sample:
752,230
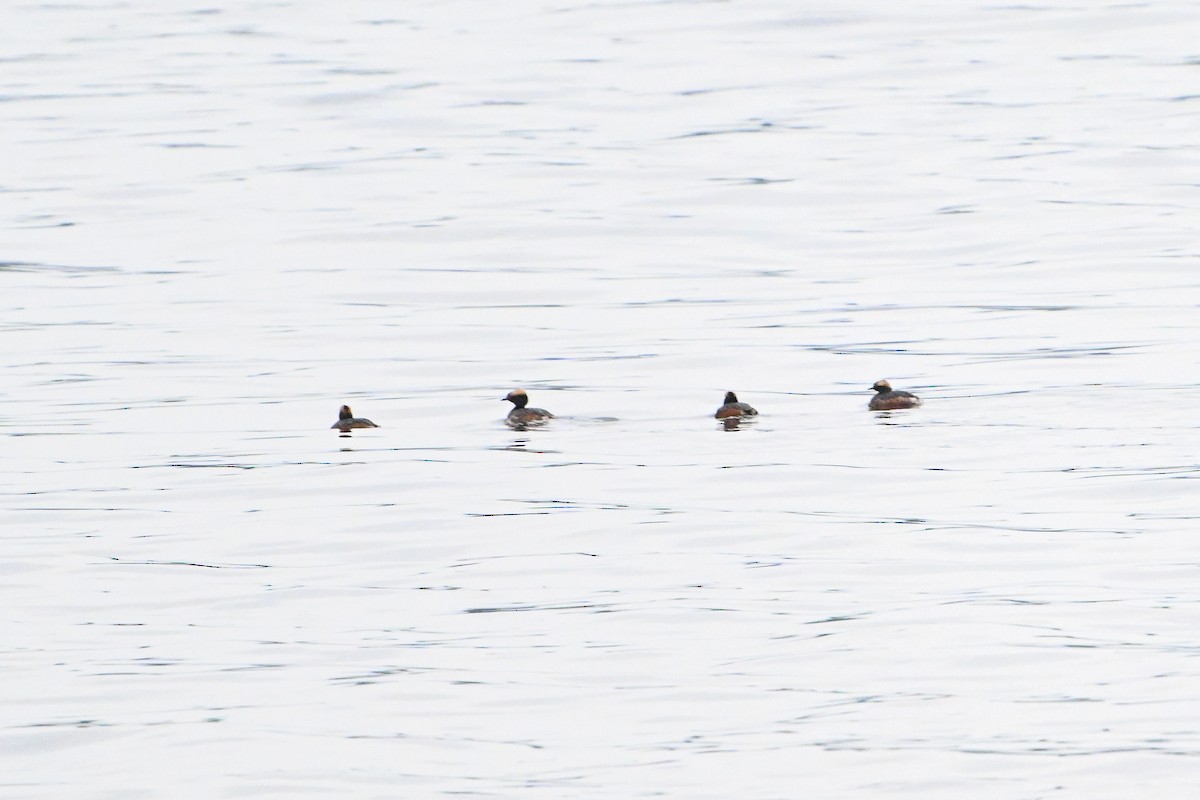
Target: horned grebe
889,399
732,408
347,420
521,417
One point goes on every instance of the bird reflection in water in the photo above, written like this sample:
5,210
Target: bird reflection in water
522,446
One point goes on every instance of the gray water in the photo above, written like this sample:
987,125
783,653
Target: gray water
224,221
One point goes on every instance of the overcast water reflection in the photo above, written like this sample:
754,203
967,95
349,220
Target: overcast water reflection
227,221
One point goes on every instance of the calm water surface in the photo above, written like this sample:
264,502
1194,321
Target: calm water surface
224,221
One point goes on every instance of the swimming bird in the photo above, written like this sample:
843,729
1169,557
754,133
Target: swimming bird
889,399
733,409
521,417
347,420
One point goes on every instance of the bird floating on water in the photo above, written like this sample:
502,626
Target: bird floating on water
732,409
889,399
347,421
522,417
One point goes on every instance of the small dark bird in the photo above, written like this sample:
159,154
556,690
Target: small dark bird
347,420
889,399
521,417
732,408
